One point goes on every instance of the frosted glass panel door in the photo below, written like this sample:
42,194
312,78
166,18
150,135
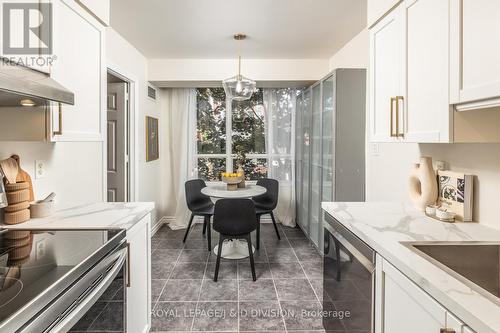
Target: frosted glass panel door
306,121
316,180
328,137
298,157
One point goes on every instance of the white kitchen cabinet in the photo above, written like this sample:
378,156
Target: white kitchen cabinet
475,50
386,76
19,37
402,306
139,276
98,8
378,8
79,47
427,115
409,71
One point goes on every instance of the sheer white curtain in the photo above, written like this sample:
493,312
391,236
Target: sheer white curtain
279,107
180,127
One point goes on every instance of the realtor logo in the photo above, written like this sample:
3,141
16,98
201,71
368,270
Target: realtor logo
27,28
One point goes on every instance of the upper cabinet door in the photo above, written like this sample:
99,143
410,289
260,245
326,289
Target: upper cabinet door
378,8
475,53
27,31
428,114
386,76
79,48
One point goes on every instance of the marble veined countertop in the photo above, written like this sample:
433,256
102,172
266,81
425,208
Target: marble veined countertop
102,215
384,225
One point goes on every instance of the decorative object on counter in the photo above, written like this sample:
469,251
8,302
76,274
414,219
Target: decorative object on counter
423,184
10,168
152,145
18,198
232,180
23,176
443,215
241,172
43,208
3,196
456,194
431,210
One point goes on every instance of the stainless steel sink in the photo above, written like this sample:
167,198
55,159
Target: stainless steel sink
476,264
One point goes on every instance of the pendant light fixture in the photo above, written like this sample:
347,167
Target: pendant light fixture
239,88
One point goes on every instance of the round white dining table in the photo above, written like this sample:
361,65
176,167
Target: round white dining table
234,248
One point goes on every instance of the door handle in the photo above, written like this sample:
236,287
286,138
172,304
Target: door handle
59,131
128,264
398,135
391,131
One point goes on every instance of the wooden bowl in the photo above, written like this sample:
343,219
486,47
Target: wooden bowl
232,182
17,196
17,207
17,217
17,186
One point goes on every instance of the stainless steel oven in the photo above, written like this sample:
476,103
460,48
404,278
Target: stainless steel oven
60,281
348,280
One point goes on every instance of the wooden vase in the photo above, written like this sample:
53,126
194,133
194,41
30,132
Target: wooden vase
242,172
423,184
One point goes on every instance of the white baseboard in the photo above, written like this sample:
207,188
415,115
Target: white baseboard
168,219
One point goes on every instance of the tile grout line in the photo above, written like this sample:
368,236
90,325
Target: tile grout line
201,288
276,289
169,276
307,276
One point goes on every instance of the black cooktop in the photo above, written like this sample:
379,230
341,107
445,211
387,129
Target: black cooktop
36,265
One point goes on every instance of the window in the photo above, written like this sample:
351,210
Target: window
230,134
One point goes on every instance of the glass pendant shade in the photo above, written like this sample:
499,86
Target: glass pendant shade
239,88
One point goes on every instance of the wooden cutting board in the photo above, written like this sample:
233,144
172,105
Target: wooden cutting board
23,176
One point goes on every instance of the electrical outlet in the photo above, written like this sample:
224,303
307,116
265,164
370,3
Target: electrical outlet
375,149
40,249
39,169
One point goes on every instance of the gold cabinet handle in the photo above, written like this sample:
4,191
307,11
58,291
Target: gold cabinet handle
392,119
128,264
447,330
59,131
398,135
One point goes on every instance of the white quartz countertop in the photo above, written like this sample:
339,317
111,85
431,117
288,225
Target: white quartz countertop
384,225
109,215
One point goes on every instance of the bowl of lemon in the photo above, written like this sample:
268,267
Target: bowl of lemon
232,179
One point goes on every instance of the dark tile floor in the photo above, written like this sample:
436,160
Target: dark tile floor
285,298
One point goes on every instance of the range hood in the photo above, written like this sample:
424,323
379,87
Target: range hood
21,86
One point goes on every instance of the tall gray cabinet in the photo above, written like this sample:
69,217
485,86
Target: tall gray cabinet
330,146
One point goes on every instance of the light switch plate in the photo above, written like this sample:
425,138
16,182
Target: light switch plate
39,169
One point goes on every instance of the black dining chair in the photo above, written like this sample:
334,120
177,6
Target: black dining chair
199,205
266,203
235,219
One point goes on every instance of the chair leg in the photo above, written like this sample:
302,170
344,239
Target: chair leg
189,227
258,232
204,226
250,254
217,263
209,236
275,226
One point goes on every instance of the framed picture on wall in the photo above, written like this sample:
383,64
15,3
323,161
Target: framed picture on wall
152,145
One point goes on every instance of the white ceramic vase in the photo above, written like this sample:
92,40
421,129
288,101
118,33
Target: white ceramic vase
423,184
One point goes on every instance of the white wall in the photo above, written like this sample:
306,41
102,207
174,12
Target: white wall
352,55
73,170
387,171
219,69
121,55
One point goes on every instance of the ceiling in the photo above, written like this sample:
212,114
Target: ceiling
203,29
